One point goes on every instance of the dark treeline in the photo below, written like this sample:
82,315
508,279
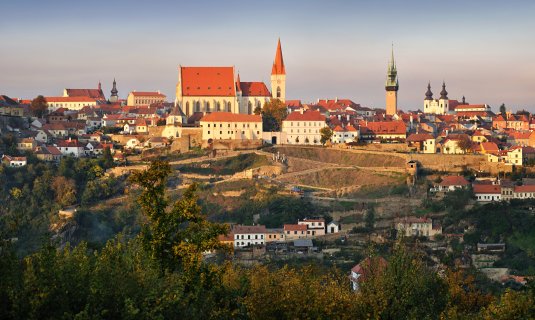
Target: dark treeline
161,274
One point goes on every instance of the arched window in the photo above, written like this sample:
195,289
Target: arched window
187,108
198,106
228,107
207,106
218,106
278,92
249,107
259,105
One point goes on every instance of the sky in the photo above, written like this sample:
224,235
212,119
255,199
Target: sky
484,50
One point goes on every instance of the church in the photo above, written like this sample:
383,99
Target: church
212,89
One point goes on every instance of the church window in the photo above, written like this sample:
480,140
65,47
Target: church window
278,92
207,106
218,106
198,106
249,107
187,108
228,106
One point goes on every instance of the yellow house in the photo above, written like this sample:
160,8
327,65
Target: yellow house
144,98
230,126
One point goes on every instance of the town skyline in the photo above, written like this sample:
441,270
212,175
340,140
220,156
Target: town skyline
487,62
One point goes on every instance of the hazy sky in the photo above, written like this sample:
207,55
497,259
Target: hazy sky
484,50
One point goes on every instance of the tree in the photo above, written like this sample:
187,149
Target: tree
177,234
326,134
503,110
108,158
258,110
273,113
369,221
65,190
464,143
39,106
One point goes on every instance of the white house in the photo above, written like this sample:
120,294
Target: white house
451,183
487,192
14,161
344,135
414,226
71,148
334,227
303,127
315,227
248,235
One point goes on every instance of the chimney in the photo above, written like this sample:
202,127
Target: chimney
336,100
339,117
347,118
301,110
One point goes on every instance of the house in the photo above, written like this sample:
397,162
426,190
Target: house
14,161
26,144
139,126
248,235
451,183
274,235
416,227
344,135
366,268
71,148
48,153
156,142
334,227
315,227
303,127
423,142
520,155
295,231
231,126
487,192
452,144
132,143
488,147
71,103
522,139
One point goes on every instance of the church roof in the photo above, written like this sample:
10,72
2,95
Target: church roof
254,89
208,81
278,64
92,93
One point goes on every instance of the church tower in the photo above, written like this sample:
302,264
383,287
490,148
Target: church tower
278,76
444,102
114,97
392,86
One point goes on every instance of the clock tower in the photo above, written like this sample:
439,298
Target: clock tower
278,76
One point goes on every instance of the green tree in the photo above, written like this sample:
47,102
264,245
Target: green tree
258,110
177,234
39,106
326,134
369,220
273,113
65,190
503,109
108,158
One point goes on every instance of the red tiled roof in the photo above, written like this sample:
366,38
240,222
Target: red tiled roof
254,89
92,93
208,81
448,181
525,188
519,135
486,188
239,229
70,144
278,64
231,117
366,265
338,129
148,94
418,137
294,103
305,116
350,128
490,147
386,127
70,99
295,227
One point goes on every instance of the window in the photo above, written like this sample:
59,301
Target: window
249,107
228,107
218,106
278,92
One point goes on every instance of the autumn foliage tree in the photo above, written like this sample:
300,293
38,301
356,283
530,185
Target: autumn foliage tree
326,134
39,106
273,113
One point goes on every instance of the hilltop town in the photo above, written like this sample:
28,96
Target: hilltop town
294,181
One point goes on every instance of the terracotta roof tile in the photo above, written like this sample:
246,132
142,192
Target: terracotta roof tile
254,89
305,116
208,81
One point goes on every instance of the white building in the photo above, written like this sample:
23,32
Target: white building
315,227
229,126
14,161
248,235
433,106
344,135
334,227
71,148
487,192
71,103
144,98
303,127
417,227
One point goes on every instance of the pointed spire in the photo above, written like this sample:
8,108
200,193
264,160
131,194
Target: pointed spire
444,93
278,64
238,85
429,94
392,74
392,61
99,85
